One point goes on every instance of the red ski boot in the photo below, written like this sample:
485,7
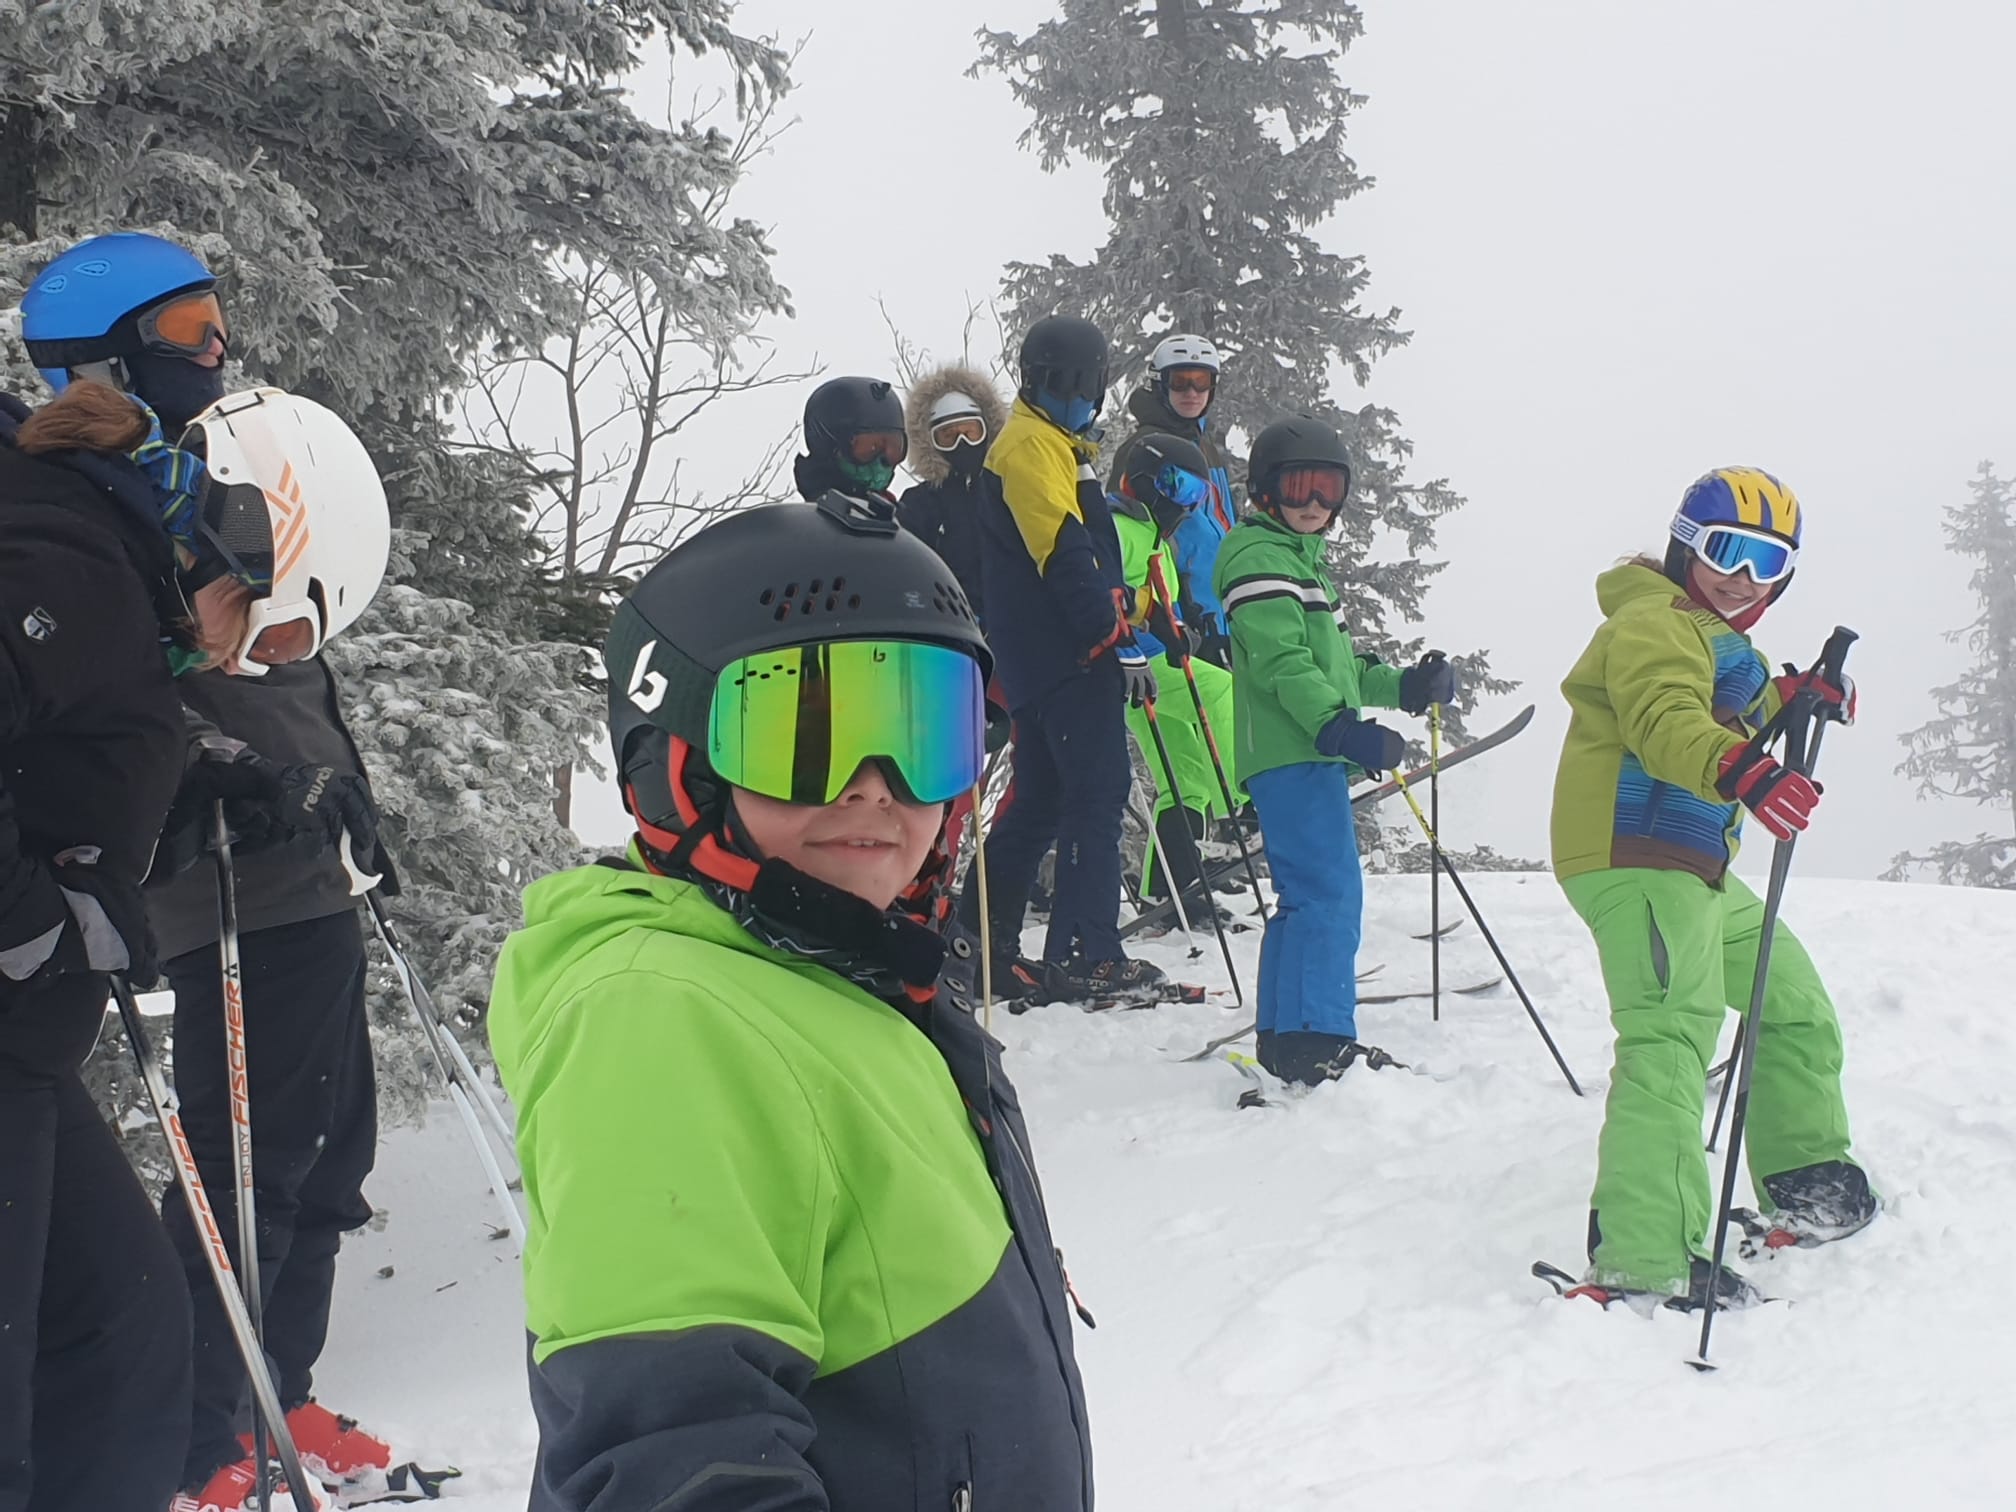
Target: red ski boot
333,1448
233,1485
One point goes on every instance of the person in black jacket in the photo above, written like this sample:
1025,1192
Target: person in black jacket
952,416
854,439
94,1316
264,731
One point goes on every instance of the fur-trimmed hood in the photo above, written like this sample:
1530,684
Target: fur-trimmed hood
925,460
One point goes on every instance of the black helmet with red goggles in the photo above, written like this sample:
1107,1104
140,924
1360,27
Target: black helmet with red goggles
1298,461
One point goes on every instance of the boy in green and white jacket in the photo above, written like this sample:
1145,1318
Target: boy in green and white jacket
1301,687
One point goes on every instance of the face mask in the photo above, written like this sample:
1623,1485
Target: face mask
1073,414
876,475
175,388
965,460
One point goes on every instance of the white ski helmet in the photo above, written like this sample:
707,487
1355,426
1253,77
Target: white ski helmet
952,406
1183,351
295,505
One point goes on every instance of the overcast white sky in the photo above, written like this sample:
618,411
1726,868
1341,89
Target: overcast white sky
1632,242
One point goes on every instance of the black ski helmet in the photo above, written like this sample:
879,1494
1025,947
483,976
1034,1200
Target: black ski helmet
1065,355
1298,441
842,408
775,576
1151,452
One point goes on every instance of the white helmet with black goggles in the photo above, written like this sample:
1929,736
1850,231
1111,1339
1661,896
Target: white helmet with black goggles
1728,549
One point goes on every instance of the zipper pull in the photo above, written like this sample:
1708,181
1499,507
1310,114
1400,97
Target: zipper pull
962,1499
1084,1312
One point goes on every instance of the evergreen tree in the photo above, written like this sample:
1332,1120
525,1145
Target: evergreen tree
1969,750
1220,125
389,189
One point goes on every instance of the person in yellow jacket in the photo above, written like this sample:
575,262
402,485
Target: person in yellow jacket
1060,620
1655,778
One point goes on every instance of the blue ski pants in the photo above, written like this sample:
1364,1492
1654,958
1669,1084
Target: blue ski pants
1309,956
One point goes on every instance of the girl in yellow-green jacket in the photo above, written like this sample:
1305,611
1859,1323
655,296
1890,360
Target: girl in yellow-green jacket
1649,803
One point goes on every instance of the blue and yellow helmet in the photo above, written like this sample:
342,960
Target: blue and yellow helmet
1735,517
1746,496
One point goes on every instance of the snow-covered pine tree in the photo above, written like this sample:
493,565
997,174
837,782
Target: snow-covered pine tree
1220,125
1969,751
388,188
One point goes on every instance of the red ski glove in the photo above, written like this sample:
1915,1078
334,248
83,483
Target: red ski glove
1782,800
1835,703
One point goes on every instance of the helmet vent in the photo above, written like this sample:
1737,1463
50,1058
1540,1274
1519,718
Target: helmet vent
767,597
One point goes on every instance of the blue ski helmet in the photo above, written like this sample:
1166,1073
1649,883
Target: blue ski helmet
86,305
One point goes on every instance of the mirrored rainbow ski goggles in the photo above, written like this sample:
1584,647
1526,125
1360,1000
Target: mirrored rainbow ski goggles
1737,548
797,723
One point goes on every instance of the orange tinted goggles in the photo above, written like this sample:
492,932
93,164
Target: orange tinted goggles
890,446
184,325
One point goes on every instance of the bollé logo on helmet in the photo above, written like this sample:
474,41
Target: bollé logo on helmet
647,688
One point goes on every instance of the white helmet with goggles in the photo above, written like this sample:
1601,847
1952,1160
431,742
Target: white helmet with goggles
297,510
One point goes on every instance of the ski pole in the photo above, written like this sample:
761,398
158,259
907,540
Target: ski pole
1136,894
465,1087
1160,587
238,1081
1177,884
1722,1099
1434,871
986,927
168,1113
1442,859
1800,756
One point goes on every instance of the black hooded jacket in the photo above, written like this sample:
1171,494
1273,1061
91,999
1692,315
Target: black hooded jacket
90,724
942,509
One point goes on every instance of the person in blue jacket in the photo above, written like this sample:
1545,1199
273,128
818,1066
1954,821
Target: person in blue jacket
1183,373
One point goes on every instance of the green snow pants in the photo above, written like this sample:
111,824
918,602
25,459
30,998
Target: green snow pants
1676,953
1176,717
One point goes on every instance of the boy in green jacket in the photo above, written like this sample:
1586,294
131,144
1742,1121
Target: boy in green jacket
1301,687
1648,811
787,1247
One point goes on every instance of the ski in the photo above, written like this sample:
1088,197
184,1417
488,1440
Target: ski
1255,1093
1765,1240
1238,1034
1214,875
401,1483
1443,933
1457,757
1644,1303
1178,992
1563,1283
1472,990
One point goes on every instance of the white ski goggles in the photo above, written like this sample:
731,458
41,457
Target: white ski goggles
1737,548
278,634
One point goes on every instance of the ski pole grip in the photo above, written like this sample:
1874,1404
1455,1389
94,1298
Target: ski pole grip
1835,652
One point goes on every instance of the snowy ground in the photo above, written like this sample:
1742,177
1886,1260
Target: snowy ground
1328,1305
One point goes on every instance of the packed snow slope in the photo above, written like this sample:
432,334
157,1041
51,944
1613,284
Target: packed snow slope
1327,1305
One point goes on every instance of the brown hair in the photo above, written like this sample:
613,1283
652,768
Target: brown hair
86,416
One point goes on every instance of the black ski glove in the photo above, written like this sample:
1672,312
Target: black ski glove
323,802
1363,742
95,921
1216,649
1431,680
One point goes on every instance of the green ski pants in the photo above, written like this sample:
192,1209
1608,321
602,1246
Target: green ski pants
1176,717
1676,953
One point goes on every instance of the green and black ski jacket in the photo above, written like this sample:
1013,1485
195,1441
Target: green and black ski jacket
787,1248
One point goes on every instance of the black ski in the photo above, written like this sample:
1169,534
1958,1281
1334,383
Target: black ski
1157,913
1444,932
